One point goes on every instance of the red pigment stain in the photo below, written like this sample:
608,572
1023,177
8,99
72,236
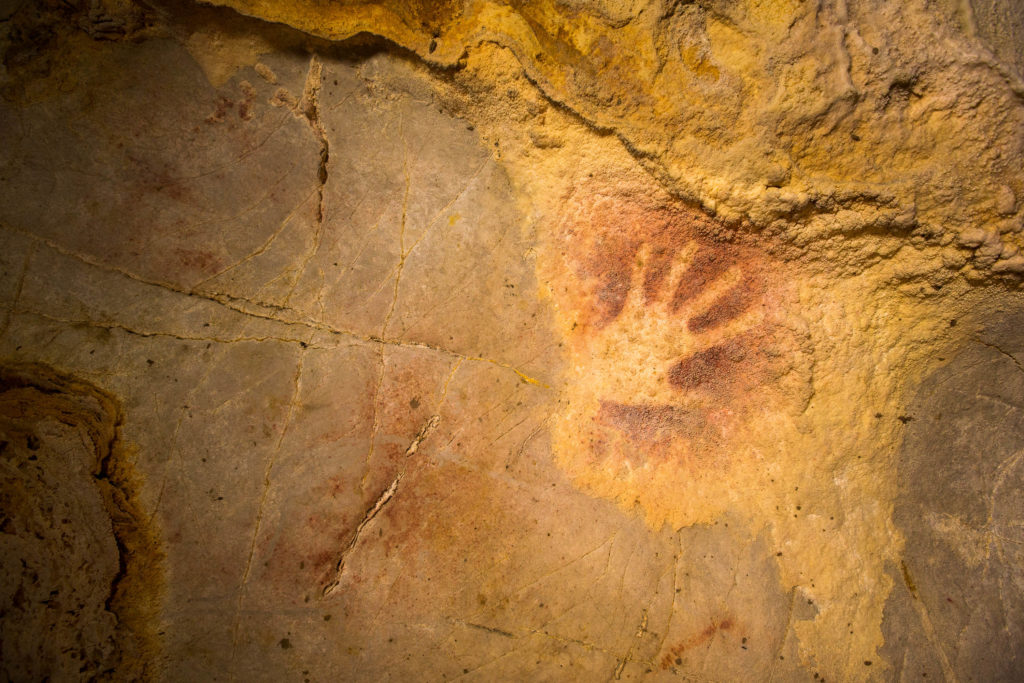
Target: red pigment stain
223,105
198,260
706,369
709,264
604,237
302,550
728,306
626,248
651,423
300,566
156,177
675,653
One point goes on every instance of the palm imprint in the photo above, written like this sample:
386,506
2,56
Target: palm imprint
683,314
674,336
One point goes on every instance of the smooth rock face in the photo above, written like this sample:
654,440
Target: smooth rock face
958,611
539,341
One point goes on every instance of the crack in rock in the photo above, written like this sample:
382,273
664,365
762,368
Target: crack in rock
382,500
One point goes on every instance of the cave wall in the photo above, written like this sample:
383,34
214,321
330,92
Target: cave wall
558,340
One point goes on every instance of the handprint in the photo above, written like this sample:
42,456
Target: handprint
670,328
674,336
680,315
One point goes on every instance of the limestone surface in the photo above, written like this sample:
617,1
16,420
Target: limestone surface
562,340
72,544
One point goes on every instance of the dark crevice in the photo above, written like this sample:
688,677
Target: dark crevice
311,111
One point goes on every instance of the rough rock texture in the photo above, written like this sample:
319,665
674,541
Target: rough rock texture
78,562
555,341
823,123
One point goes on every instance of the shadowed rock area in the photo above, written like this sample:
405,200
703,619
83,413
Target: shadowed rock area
80,565
957,608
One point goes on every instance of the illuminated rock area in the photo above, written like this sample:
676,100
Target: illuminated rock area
555,340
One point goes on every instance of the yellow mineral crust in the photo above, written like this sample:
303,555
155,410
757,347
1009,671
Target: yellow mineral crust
873,123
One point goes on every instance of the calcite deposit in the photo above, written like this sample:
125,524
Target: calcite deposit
564,340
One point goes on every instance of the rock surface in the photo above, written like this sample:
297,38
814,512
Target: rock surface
72,544
957,608
554,341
